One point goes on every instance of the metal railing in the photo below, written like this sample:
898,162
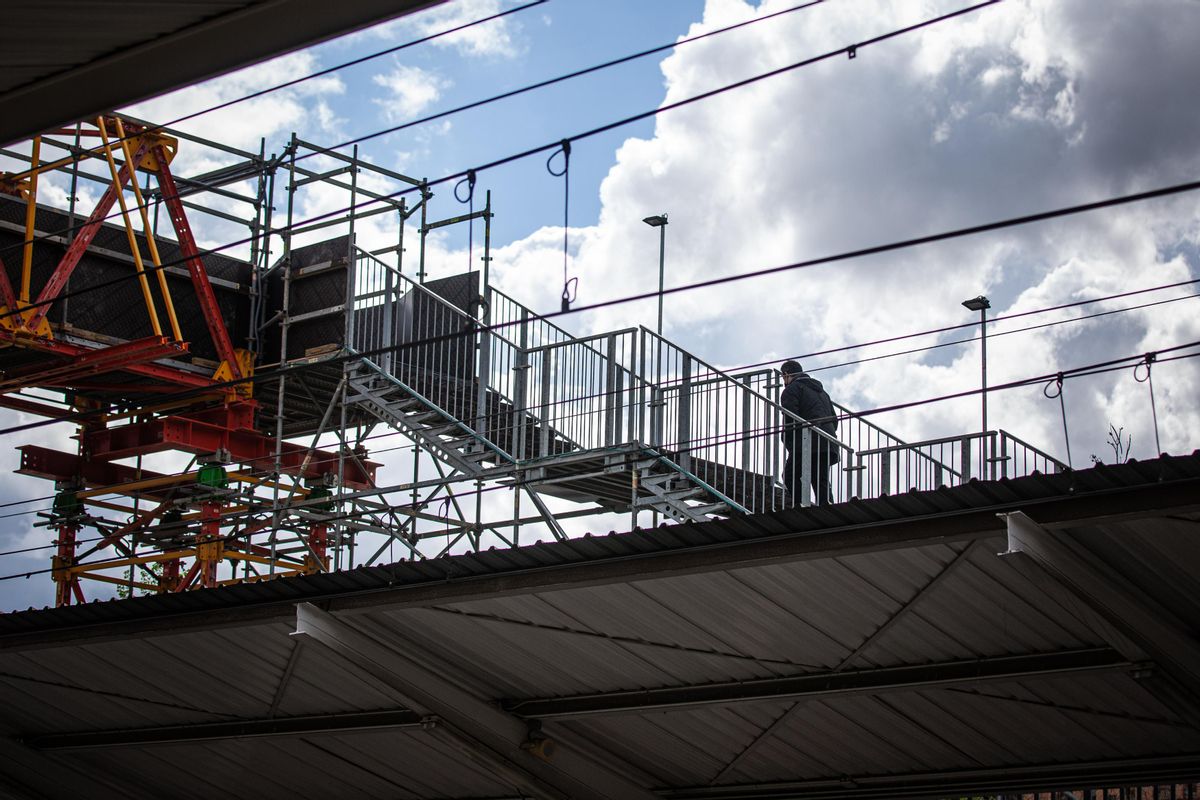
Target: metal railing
545,393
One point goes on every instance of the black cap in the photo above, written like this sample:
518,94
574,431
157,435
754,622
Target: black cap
791,367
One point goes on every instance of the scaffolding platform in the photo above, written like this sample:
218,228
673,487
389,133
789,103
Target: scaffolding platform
149,344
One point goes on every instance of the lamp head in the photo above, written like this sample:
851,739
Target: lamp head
977,303
656,221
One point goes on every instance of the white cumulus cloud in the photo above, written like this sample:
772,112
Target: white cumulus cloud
1025,106
410,90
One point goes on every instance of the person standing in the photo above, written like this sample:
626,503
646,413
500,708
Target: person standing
804,396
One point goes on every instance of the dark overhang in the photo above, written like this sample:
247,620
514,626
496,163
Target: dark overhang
65,60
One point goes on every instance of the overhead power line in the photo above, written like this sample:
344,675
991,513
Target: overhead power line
965,325
356,61
849,50
570,76
1025,329
459,109
839,257
741,369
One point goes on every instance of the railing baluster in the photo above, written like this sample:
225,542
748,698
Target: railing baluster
547,417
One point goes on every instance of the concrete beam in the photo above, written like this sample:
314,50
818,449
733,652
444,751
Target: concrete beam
480,729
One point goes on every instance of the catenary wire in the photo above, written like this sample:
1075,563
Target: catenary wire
449,112
322,72
961,326
964,326
359,60
250,514
1025,329
453,177
742,368
726,279
565,77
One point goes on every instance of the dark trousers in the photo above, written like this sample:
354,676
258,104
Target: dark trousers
819,464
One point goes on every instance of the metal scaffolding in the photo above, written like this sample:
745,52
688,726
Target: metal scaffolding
285,363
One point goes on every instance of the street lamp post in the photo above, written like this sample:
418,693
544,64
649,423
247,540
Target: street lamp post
660,222
981,305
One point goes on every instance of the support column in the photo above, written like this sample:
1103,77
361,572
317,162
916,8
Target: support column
317,560
67,512
209,546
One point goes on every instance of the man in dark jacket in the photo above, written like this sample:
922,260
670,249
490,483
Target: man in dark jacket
804,396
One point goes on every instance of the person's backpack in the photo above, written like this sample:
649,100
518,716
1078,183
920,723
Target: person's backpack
826,419
829,421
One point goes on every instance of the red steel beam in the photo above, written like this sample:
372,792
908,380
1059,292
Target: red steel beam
70,259
156,371
191,255
37,409
93,362
7,296
55,465
244,446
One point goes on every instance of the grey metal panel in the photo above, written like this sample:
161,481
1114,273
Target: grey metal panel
538,662
419,763
1156,554
75,686
323,683
658,634
666,751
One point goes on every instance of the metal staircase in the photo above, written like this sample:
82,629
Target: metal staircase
625,419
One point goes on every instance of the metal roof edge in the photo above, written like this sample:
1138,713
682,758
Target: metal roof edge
948,514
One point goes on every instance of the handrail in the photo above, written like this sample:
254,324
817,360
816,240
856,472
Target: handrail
697,480
608,387
925,443
426,292
740,385
1006,435
849,414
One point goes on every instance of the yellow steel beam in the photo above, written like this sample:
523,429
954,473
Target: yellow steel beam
151,244
135,486
50,166
256,578
95,576
30,220
107,505
171,555
134,249
257,559
269,484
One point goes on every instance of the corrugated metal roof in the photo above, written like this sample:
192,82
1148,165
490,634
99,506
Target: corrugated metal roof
547,627
971,507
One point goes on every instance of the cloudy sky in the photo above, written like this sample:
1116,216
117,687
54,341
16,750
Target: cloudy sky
1024,106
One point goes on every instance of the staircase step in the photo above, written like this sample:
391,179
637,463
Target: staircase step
683,494
442,430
